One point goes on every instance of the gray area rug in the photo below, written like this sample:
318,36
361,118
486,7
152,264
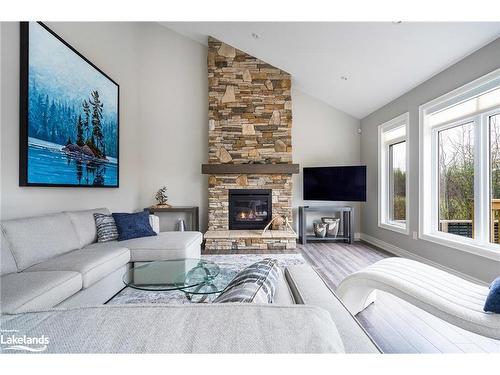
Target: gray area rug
231,263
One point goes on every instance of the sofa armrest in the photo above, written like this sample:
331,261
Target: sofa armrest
310,289
154,221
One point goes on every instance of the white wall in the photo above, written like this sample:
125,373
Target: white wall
322,136
173,118
473,66
113,48
163,121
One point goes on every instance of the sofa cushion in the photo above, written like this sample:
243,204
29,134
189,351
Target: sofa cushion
93,263
28,291
195,328
283,294
310,289
84,224
36,239
7,262
165,246
164,240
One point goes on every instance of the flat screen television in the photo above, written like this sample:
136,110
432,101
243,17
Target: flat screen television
335,183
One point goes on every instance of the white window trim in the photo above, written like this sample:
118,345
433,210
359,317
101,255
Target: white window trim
383,183
428,173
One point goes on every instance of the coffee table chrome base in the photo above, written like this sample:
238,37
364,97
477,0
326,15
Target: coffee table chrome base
196,295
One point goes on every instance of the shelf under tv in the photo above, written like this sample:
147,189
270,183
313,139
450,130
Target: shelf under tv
312,237
345,213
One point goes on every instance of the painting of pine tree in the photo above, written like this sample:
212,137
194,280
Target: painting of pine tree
71,116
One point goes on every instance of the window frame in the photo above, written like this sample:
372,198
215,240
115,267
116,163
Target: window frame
429,169
487,170
385,189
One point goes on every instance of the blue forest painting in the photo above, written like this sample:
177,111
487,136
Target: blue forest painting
72,116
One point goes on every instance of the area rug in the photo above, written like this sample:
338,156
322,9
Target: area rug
232,263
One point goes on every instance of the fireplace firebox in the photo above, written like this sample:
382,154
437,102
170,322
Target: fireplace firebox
249,208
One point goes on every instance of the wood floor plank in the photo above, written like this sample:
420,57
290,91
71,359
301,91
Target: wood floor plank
396,309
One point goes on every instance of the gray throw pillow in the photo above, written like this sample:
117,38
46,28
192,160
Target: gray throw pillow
106,228
256,283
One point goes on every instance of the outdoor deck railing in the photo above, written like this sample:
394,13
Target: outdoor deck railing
466,228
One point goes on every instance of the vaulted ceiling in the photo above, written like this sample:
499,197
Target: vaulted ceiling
356,67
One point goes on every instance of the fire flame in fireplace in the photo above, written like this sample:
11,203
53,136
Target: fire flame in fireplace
250,215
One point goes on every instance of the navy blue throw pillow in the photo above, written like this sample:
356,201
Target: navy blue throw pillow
492,303
133,225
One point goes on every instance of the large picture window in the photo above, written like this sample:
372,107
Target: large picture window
460,168
393,174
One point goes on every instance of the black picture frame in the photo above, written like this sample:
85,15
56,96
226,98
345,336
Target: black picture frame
24,111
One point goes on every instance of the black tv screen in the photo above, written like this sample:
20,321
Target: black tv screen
335,183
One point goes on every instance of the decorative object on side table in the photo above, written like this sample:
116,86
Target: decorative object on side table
181,225
279,223
162,197
68,115
332,229
320,229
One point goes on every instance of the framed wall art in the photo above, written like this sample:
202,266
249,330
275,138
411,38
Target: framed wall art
69,115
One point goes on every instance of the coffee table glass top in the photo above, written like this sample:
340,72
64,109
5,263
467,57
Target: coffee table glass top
193,276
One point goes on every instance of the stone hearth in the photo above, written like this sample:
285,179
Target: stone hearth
250,122
250,240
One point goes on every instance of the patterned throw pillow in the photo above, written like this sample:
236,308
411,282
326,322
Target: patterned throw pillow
256,283
106,228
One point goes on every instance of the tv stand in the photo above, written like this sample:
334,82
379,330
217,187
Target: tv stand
346,227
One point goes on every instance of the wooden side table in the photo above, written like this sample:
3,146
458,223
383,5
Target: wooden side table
192,211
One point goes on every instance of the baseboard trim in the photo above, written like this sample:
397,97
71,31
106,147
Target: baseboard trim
407,254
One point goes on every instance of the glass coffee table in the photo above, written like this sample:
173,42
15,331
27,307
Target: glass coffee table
197,278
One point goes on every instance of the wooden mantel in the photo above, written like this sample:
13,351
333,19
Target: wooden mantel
250,168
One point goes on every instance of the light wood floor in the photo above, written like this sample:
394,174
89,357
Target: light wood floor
394,324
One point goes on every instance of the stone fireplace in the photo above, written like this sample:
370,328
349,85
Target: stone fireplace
250,149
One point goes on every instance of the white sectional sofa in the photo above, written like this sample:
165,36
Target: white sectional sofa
307,317
54,260
55,279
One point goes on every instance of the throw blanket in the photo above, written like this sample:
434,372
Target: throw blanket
217,328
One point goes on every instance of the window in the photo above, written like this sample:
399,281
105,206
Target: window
393,175
460,168
456,179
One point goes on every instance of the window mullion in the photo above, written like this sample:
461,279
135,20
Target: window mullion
387,183
482,180
434,217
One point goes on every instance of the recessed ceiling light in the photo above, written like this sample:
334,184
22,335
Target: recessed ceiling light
396,22
344,78
255,36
